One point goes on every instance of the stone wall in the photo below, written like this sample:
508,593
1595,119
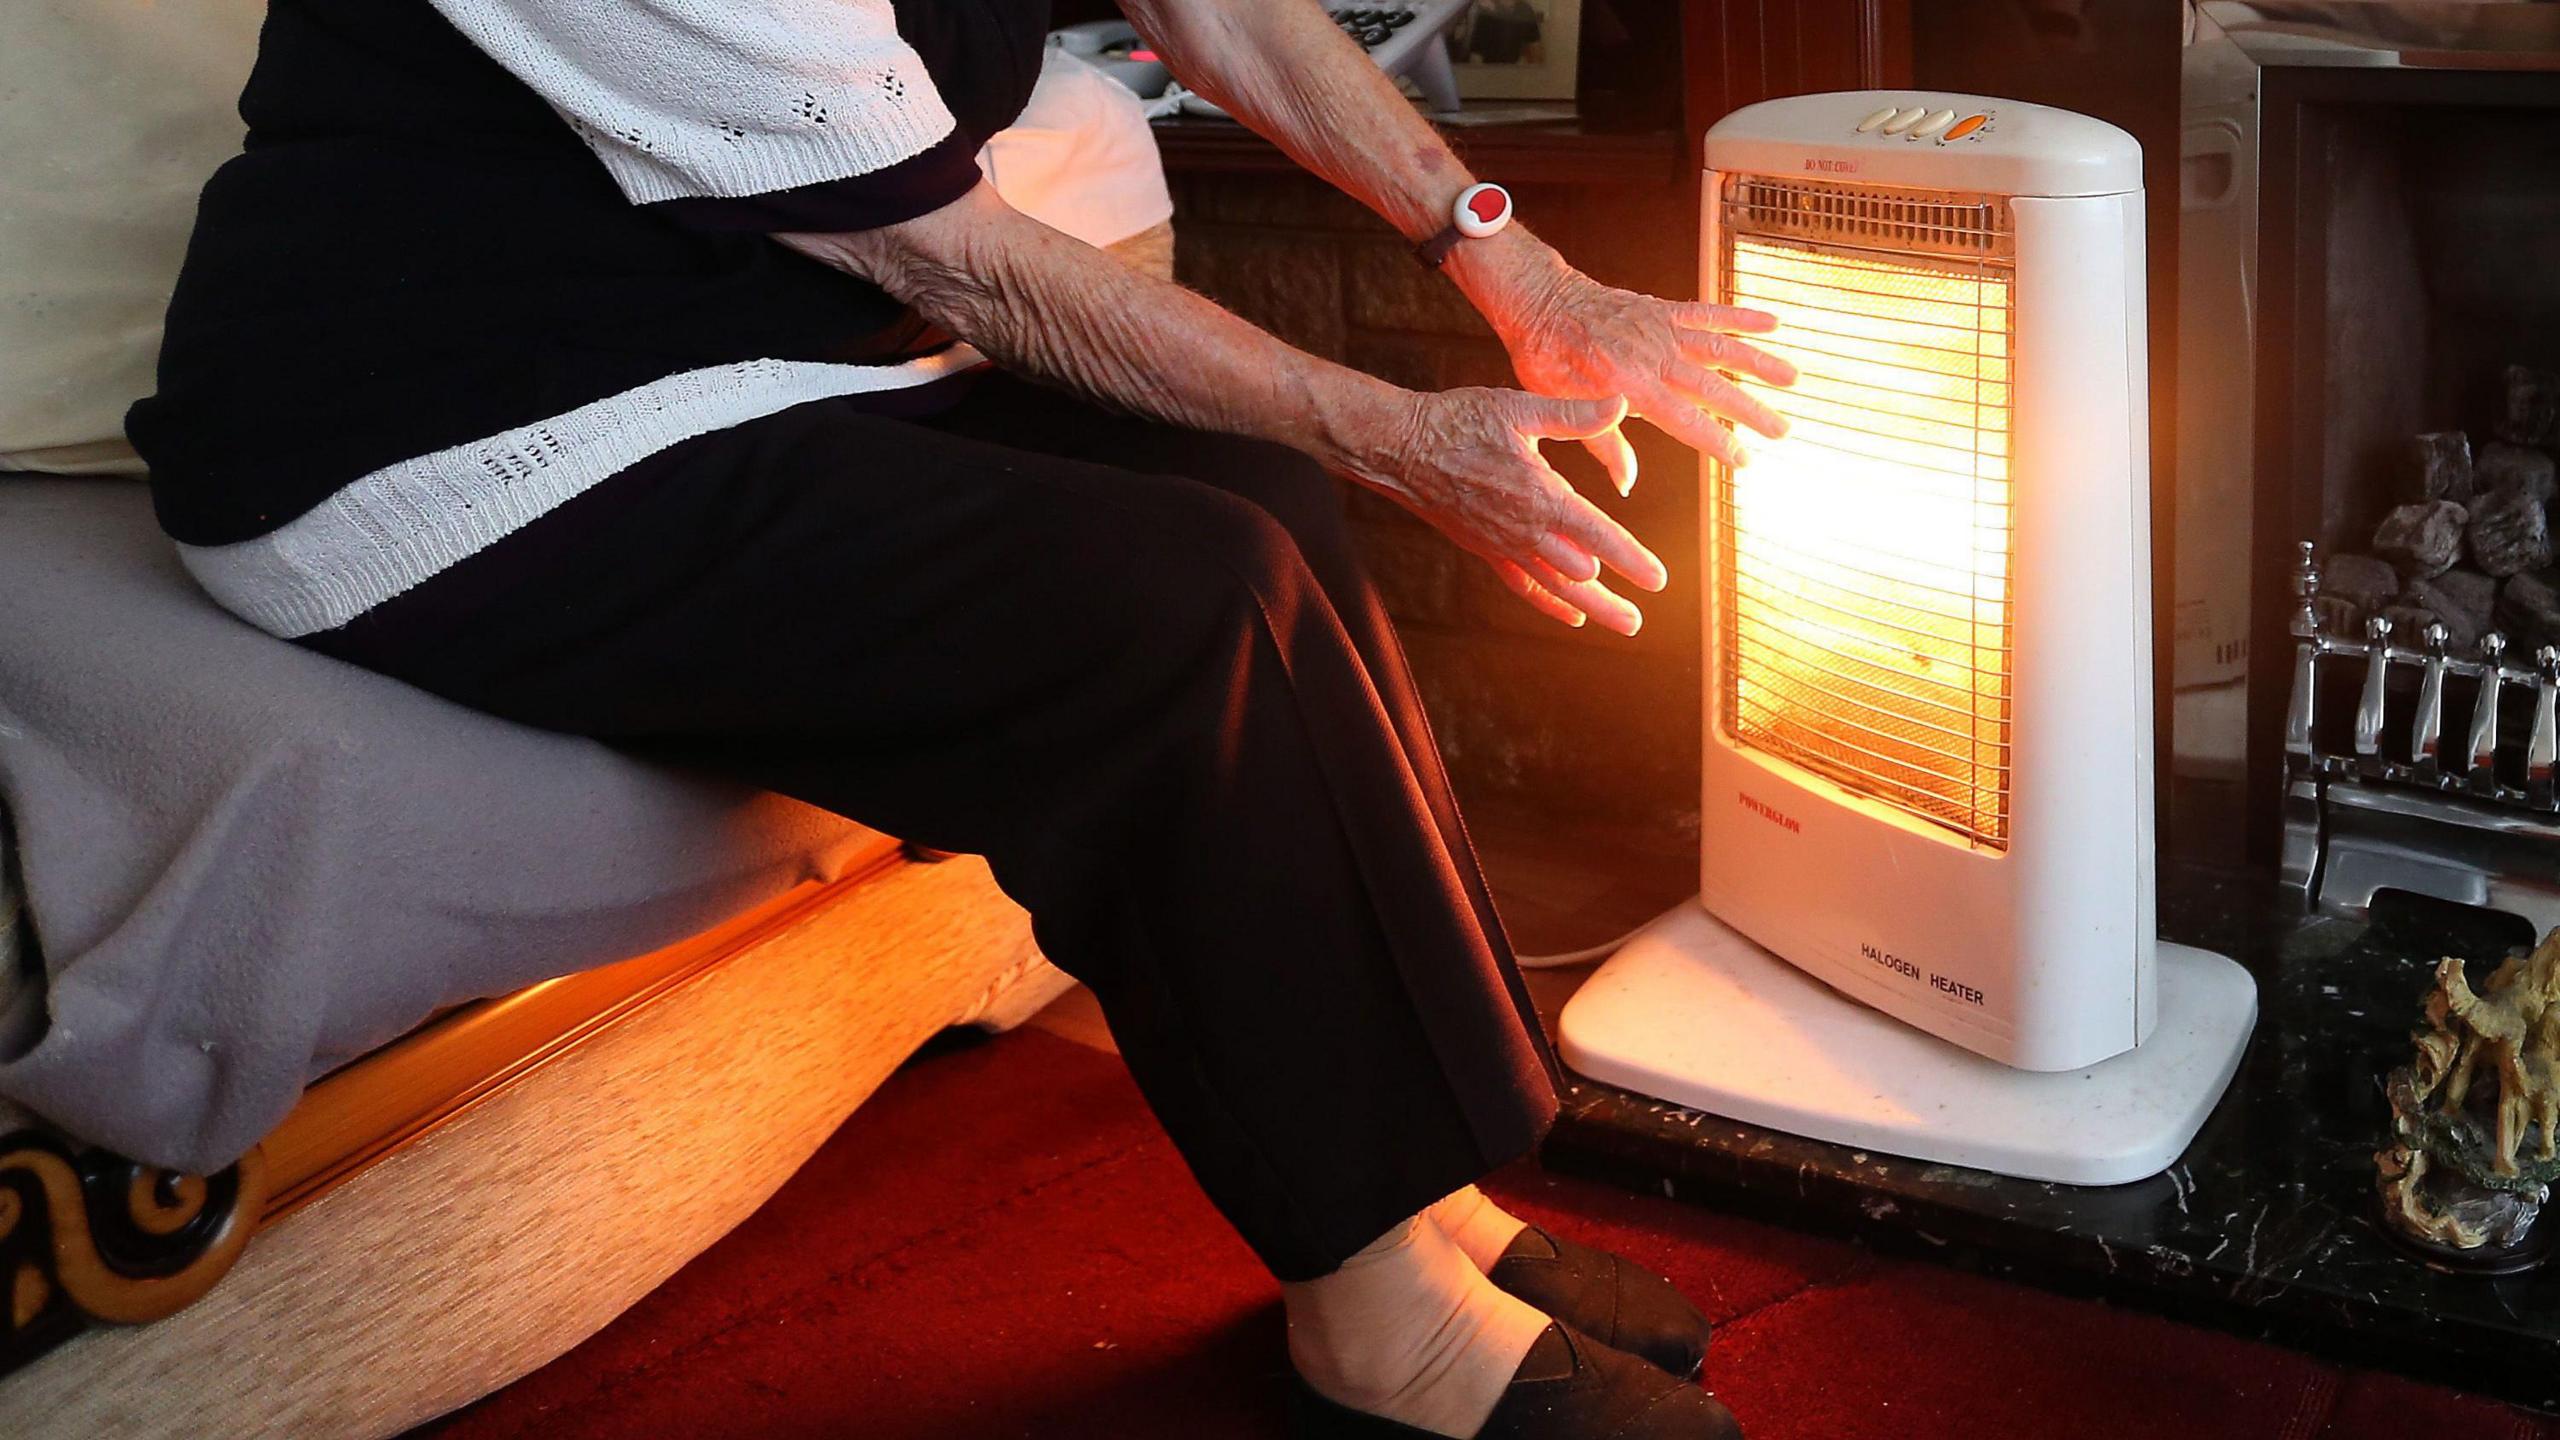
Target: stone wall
1532,716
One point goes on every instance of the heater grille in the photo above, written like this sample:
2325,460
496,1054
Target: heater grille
1928,221
1864,561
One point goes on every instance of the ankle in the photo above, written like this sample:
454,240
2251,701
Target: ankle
1410,1331
1445,1376
1480,1228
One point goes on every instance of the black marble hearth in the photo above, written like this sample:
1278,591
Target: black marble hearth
2265,1227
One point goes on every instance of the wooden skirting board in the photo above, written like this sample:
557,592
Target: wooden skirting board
87,1237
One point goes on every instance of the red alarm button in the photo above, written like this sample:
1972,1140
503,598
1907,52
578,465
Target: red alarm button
1965,126
1481,210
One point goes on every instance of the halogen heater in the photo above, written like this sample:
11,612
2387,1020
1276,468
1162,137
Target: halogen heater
1926,923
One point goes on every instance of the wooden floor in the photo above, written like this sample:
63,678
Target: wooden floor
1561,887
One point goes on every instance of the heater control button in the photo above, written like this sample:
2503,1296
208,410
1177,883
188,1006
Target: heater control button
1931,123
1877,119
1903,120
1966,126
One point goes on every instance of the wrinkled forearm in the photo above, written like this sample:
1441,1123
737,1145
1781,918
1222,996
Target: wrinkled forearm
1465,460
1284,69
1054,308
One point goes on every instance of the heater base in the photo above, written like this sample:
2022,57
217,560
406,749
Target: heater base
1691,1012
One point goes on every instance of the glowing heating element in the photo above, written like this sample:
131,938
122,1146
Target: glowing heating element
1865,559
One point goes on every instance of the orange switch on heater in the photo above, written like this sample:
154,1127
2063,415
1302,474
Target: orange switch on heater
1965,126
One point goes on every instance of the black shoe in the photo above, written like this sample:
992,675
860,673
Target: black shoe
1568,1388
1618,1304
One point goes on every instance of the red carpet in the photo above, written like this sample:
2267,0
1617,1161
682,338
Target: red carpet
1002,1244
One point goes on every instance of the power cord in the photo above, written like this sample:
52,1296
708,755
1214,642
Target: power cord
1601,951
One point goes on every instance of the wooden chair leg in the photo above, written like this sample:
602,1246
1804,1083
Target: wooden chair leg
90,1238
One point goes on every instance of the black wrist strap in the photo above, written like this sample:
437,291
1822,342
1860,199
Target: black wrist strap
1434,252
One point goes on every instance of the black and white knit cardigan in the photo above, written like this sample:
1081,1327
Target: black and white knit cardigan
715,121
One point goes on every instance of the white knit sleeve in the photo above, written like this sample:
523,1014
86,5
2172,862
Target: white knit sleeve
685,99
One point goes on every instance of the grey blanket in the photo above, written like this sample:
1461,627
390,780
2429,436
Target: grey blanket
245,864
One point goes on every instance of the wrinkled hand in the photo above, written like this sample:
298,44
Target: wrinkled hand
1671,360
1467,461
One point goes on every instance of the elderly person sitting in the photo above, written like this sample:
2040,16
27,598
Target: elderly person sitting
623,367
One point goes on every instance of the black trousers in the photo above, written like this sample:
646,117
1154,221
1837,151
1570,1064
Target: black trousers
1136,667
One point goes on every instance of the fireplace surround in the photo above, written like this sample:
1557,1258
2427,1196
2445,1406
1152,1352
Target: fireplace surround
2370,200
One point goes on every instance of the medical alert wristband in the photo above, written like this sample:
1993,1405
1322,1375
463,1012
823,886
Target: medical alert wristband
1479,211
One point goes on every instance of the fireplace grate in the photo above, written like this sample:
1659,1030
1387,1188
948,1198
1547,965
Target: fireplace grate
2428,744
1864,560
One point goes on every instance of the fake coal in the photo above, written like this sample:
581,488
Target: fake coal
2464,602
2502,468
2444,467
2529,611
2510,532
2360,582
2422,540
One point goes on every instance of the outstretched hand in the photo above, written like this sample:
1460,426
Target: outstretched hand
1675,362
1467,461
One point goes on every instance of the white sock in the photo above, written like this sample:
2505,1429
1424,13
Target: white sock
1481,1228
1409,1329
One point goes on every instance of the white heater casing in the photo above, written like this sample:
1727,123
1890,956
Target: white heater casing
2055,935
2026,946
